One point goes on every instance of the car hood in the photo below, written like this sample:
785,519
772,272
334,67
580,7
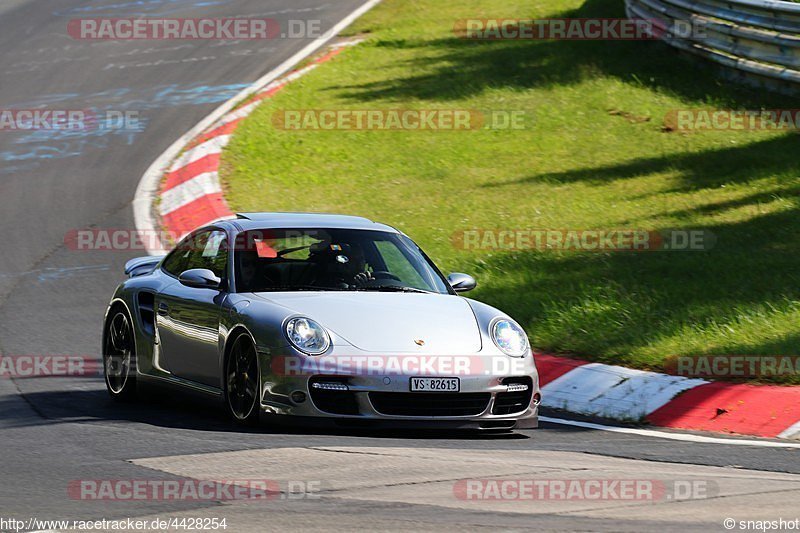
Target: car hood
390,322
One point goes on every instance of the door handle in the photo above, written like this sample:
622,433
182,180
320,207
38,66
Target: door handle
163,309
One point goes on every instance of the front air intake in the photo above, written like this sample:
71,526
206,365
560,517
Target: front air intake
516,398
332,395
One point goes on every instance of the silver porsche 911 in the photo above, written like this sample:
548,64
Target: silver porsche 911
320,319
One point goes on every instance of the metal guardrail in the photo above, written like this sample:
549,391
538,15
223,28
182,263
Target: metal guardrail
756,40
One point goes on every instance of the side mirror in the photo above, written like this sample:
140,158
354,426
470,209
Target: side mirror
461,282
200,278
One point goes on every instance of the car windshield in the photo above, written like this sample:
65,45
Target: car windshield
334,260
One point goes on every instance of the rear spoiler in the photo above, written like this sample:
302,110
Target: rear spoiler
142,265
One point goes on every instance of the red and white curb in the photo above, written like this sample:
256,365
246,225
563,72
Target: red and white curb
621,393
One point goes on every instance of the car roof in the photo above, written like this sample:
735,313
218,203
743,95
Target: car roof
253,221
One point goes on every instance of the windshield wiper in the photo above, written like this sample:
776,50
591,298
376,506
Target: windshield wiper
289,288
375,288
392,288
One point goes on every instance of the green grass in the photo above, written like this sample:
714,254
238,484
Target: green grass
581,164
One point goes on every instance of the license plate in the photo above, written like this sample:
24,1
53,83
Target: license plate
435,385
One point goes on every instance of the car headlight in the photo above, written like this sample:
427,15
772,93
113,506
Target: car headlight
307,336
509,337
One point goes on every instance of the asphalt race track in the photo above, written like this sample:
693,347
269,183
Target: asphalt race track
52,299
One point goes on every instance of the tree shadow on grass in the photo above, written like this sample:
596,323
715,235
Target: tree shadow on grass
696,171
455,68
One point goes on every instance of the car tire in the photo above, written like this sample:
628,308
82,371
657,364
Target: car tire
119,355
242,382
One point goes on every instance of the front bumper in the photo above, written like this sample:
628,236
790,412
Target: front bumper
490,397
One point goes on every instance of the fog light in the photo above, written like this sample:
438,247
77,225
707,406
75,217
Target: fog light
537,399
298,396
330,386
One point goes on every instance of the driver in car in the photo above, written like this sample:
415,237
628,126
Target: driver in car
362,274
345,265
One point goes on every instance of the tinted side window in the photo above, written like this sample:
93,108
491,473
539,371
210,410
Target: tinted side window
215,254
209,250
175,263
